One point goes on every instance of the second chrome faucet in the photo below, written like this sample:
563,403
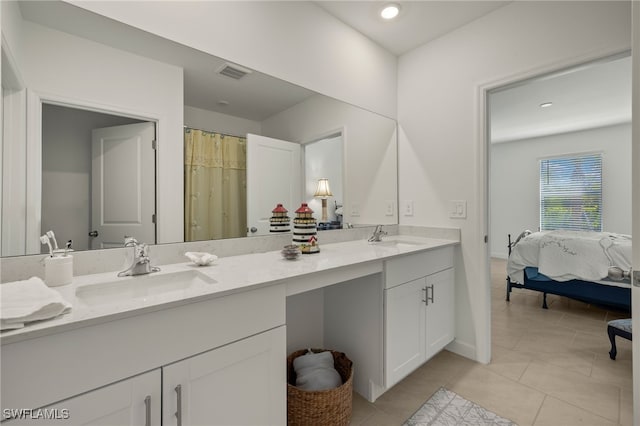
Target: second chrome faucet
378,233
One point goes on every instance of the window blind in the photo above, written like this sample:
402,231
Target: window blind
571,193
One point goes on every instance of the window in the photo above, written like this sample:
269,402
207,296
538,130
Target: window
571,193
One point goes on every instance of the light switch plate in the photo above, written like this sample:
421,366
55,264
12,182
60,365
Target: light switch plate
407,207
458,209
355,209
389,204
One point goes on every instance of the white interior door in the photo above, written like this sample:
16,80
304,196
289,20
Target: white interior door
635,216
123,185
273,177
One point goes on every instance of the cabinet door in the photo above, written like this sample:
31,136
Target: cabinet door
134,401
440,311
243,383
404,330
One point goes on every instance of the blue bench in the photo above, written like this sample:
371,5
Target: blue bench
619,327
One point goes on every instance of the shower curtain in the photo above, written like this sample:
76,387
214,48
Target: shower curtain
215,195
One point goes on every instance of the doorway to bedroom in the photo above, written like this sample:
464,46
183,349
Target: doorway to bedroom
559,155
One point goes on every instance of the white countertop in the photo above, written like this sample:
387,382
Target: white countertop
231,275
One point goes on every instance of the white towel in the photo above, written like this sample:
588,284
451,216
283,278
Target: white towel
29,300
316,371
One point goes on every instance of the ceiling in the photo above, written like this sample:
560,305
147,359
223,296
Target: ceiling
418,22
586,97
256,96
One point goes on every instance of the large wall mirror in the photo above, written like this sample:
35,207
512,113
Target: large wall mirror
106,126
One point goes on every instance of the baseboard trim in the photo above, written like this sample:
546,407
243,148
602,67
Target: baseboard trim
464,349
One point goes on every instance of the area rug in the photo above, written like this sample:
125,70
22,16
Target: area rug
446,408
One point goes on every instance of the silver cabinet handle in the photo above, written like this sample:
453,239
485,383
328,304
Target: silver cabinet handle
430,299
179,401
147,411
93,234
426,298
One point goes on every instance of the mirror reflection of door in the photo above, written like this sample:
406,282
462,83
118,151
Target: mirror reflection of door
273,176
67,174
122,185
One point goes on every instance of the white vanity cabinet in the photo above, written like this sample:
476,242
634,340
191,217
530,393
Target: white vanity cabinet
227,353
135,401
419,310
241,383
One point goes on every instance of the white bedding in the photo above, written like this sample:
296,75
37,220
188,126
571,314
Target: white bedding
568,255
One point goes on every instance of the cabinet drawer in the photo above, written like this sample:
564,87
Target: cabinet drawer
413,266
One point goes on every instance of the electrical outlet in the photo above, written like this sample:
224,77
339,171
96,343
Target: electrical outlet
355,209
389,208
407,207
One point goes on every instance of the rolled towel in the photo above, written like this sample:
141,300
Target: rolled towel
316,372
29,300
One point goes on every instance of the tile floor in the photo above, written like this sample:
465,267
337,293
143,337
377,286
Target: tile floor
549,367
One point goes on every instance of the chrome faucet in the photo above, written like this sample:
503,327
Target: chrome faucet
141,264
377,235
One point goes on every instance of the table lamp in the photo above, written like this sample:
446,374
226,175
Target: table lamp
323,191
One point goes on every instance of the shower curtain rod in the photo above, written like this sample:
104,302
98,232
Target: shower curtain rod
213,131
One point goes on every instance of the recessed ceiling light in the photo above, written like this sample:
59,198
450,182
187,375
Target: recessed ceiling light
546,104
223,103
390,11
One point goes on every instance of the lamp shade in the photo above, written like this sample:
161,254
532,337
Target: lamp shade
323,189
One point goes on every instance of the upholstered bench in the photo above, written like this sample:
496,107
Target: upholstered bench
619,327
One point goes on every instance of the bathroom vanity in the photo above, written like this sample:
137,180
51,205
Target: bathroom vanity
191,345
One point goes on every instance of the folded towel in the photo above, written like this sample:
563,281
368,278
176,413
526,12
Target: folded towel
316,371
29,300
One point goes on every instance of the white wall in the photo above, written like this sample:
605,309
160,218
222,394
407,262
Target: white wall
203,119
296,41
64,67
440,113
12,28
66,171
369,149
515,181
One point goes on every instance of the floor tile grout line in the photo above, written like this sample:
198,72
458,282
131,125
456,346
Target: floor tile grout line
535,419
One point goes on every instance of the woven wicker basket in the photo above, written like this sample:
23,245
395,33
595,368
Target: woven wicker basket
330,407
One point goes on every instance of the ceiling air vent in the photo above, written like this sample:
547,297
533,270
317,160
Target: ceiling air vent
234,71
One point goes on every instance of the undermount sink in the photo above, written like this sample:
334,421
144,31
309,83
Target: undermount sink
397,242
142,287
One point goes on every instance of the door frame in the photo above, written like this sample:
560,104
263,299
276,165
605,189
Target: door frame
12,106
342,131
33,189
635,195
483,345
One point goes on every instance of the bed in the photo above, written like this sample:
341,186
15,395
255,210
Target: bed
591,267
